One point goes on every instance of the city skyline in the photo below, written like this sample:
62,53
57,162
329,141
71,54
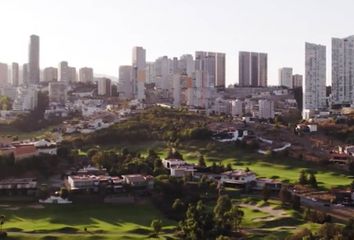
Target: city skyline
102,36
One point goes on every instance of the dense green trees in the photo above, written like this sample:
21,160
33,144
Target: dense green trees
308,178
127,162
155,124
5,103
222,222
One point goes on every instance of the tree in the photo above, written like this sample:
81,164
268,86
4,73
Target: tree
201,161
156,225
235,216
265,193
64,193
312,180
348,230
329,231
302,234
308,214
91,152
97,159
303,178
295,202
284,195
178,205
222,206
198,223
5,103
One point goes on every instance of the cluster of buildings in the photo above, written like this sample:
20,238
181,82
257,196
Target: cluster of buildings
18,187
198,82
316,96
27,149
91,179
195,81
21,84
235,178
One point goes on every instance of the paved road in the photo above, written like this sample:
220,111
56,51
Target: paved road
340,212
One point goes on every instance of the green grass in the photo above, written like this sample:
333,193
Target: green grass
283,168
262,224
103,221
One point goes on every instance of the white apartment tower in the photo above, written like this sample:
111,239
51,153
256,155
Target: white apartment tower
253,69
125,86
297,80
286,77
86,75
186,64
15,74
33,60
3,74
104,87
139,72
266,109
315,77
343,70
63,72
50,74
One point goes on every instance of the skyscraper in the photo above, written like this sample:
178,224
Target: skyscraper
209,71
220,70
138,72
66,73
33,60
104,87
186,64
63,72
343,70
125,87
286,77
315,76
86,75
3,74
163,69
253,69
15,74
50,74
25,73
297,80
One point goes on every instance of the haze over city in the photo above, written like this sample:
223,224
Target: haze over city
102,34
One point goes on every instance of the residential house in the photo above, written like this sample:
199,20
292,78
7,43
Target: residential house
18,186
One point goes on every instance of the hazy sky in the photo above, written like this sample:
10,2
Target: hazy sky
101,33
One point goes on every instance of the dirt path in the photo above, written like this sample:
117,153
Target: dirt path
275,213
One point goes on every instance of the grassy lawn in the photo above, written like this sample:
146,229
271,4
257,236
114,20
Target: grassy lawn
270,221
103,221
283,168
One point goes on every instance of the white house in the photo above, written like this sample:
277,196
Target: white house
238,177
173,163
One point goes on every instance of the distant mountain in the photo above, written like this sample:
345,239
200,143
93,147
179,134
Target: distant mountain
113,78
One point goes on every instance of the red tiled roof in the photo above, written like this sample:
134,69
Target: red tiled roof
25,150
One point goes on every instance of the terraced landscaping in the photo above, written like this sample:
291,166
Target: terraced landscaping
124,221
